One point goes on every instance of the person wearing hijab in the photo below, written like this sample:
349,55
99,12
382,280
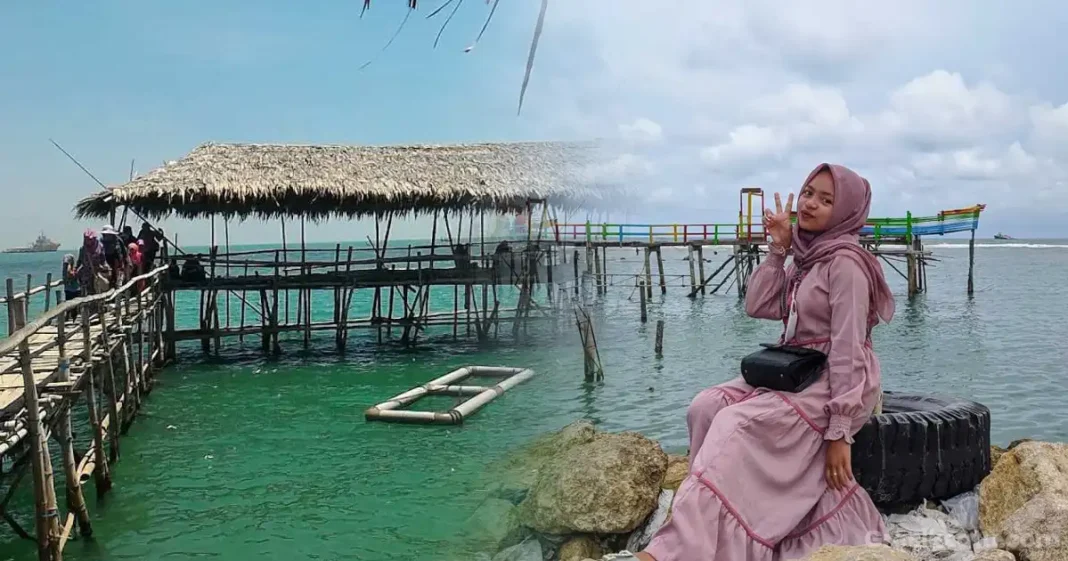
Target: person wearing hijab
91,262
770,476
133,251
71,287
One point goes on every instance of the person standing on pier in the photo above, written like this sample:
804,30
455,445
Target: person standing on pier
770,475
71,287
91,263
150,238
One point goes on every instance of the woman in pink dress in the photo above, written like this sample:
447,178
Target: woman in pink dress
770,476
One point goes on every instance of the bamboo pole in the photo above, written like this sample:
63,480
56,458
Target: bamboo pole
693,273
102,473
648,272
75,498
226,235
26,300
48,293
244,296
307,291
575,264
109,388
659,346
285,258
971,264
46,520
643,297
10,305
591,356
598,279
701,265
660,270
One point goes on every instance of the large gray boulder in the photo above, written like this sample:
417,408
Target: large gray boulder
598,484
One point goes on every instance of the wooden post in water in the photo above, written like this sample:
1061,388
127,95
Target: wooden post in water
659,347
575,263
701,266
10,305
110,390
46,520
48,292
75,497
604,269
660,270
641,290
971,264
102,472
693,273
597,280
648,273
591,364
910,262
226,237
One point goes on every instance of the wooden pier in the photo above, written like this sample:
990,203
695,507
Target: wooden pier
100,365
896,241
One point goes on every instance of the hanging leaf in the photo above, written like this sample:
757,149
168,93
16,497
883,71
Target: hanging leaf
533,50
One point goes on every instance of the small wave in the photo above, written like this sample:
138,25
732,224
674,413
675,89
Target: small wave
1002,245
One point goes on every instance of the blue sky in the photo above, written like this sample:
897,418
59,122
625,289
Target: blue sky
149,81
940,105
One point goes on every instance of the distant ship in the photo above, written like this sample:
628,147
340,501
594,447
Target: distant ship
41,245
1000,236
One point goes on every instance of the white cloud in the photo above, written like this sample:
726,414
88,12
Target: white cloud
757,92
642,130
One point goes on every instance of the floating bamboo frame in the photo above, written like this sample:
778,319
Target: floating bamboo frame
449,384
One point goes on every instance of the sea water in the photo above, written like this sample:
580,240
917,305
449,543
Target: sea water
245,457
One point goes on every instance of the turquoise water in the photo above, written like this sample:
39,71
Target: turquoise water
244,457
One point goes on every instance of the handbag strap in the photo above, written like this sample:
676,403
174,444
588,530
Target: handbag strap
788,305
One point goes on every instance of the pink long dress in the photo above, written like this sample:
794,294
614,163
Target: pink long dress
756,489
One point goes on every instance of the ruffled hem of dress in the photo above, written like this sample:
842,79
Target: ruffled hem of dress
854,521
702,523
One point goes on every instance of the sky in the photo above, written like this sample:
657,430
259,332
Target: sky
940,105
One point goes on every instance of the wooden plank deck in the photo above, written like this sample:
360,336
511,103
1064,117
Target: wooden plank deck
44,350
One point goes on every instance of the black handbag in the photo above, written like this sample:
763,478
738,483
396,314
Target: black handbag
784,368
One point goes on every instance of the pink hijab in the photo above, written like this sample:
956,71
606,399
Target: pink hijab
852,201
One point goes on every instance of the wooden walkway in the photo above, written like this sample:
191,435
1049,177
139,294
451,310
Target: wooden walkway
103,360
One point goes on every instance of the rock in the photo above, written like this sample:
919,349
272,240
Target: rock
1016,443
995,454
677,470
1027,469
995,555
495,522
641,537
858,553
1039,530
519,471
529,550
579,548
608,485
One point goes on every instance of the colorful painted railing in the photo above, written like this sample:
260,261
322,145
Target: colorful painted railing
656,232
945,222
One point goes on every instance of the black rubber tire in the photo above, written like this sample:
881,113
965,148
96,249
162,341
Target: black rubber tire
922,447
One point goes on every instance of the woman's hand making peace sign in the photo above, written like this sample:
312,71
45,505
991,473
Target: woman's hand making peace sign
777,224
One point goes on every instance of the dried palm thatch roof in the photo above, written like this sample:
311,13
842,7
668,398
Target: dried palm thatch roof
271,180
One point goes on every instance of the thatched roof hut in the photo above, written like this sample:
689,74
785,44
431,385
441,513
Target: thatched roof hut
271,180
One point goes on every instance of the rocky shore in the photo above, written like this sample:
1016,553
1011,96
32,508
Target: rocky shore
580,493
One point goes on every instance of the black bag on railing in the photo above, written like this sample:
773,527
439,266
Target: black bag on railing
783,368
